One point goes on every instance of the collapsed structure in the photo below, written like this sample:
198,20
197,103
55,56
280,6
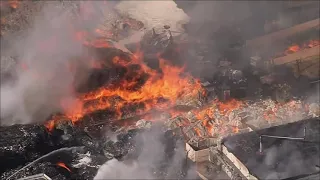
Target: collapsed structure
132,87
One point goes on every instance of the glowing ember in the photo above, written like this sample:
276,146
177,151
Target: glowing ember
210,115
61,164
235,129
50,125
295,48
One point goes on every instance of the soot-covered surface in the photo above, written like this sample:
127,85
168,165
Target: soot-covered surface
280,159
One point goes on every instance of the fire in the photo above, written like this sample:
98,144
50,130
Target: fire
235,129
208,115
269,115
160,90
198,132
10,3
169,85
226,108
50,125
63,165
295,48
148,89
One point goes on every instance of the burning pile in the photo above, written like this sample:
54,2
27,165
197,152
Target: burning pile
141,86
295,47
165,93
220,119
142,90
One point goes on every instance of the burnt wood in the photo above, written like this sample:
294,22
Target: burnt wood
20,144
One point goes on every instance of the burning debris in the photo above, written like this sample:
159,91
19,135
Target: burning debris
126,96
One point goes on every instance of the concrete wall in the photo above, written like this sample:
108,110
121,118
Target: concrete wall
197,155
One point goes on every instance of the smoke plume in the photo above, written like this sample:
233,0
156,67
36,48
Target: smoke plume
43,75
158,157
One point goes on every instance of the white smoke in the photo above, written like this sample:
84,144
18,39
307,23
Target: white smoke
45,52
154,13
153,153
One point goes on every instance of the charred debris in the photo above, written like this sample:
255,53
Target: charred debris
69,152
265,89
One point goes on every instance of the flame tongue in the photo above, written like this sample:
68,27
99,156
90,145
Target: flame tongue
63,165
169,84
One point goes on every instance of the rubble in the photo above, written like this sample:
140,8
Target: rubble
143,124
314,110
20,144
204,124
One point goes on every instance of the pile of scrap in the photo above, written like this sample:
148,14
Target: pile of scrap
68,152
215,122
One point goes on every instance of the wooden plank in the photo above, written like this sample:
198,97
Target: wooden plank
300,55
268,39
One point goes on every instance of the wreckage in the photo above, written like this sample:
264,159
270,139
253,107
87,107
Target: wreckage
220,119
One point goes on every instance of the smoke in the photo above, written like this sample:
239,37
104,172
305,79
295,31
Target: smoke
224,26
154,13
158,157
43,75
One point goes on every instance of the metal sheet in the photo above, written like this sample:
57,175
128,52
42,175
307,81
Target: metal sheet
280,159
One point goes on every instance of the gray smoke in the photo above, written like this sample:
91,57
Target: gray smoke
151,158
43,75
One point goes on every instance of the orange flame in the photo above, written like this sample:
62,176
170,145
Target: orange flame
235,129
63,165
295,48
50,125
13,3
169,84
206,115
198,132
